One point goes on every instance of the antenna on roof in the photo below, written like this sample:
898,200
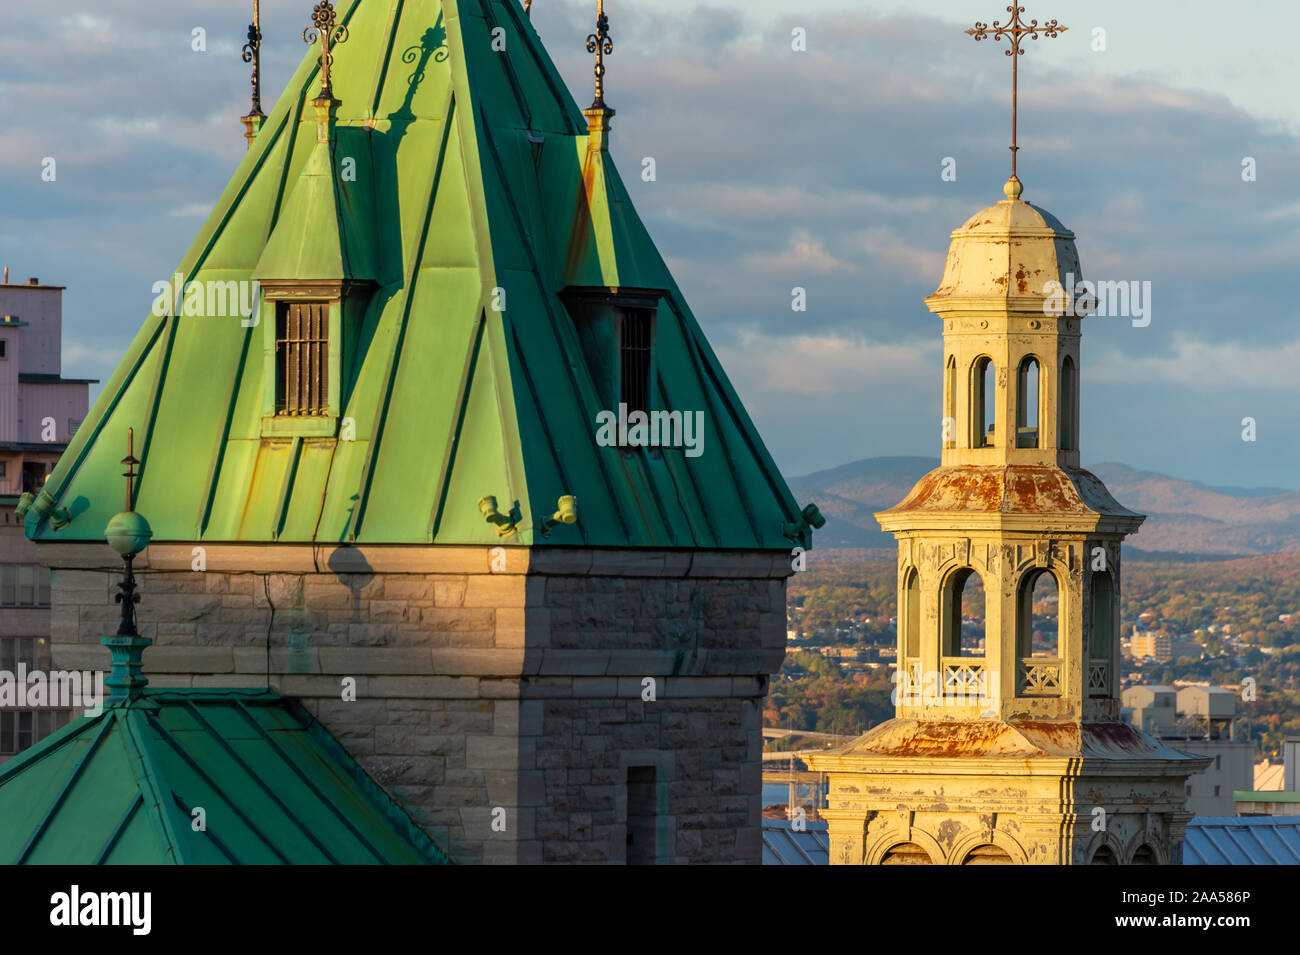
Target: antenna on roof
252,53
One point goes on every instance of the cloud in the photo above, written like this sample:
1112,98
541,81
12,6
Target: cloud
775,169
1198,363
802,255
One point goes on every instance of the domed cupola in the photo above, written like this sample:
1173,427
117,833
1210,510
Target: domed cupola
1009,252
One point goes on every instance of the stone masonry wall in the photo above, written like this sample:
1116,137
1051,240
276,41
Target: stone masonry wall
502,710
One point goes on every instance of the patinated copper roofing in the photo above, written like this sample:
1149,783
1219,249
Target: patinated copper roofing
274,787
462,181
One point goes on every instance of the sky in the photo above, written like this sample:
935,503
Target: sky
778,168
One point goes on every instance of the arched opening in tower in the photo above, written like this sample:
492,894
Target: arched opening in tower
1027,388
1038,618
983,403
964,621
1068,407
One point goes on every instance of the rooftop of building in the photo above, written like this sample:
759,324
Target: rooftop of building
209,777
1242,840
33,283
476,175
1010,250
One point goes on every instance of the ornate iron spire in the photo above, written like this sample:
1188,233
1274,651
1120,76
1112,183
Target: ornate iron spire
127,533
1015,30
600,44
130,461
252,53
326,28
528,8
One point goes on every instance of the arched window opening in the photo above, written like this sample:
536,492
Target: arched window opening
1038,619
983,403
1027,388
1144,855
987,855
964,620
1067,405
1104,856
907,853
1103,616
950,404
912,616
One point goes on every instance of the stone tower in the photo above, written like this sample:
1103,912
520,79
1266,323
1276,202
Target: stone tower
1006,746
379,484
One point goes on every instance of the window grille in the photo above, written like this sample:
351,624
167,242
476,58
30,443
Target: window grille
302,359
635,355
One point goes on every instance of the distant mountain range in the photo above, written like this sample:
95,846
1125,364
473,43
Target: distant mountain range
1184,518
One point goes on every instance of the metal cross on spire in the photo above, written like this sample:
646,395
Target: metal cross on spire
600,44
1015,30
252,53
325,26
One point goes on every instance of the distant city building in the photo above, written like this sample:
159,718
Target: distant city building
1162,647
1276,784
40,410
1199,720
1268,776
1154,645
1151,708
1249,803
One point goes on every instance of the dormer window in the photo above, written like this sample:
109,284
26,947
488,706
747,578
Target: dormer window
616,328
308,331
302,358
636,333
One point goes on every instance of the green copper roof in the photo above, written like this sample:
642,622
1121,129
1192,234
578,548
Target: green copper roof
309,238
457,169
275,788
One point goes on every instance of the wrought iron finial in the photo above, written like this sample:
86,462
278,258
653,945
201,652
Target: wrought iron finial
252,53
130,461
1015,30
127,533
600,44
331,33
528,8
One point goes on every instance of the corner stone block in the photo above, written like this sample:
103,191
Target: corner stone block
495,590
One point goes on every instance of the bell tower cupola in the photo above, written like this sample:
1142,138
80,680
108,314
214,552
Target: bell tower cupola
1007,743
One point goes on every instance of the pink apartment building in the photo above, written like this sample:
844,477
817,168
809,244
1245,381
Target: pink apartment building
39,411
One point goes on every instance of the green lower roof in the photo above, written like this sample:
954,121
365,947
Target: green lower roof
274,787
